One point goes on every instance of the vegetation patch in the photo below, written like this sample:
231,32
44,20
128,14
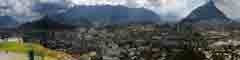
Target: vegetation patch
25,48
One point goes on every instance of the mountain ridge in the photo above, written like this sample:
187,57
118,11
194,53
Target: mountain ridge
106,15
207,17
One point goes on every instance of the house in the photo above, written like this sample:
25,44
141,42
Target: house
10,37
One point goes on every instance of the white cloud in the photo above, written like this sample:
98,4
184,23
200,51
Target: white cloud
169,10
229,7
18,9
176,9
98,2
22,10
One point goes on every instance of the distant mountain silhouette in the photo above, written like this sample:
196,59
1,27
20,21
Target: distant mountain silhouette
209,10
7,22
44,24
105,15
206,17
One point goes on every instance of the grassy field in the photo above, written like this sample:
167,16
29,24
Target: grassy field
24,48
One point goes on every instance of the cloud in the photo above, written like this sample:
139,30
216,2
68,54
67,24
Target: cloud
176,9
18,10
24,11
229,7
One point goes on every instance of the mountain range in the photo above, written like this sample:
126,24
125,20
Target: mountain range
7,22
44,25
105,15
207,16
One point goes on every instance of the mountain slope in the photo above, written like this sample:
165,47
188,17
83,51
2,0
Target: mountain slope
43,25
105,15
206,17
7,22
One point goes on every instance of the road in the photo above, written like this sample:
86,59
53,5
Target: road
13,56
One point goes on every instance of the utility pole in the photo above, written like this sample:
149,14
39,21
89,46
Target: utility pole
31,54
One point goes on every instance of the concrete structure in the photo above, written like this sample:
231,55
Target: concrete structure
10,37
